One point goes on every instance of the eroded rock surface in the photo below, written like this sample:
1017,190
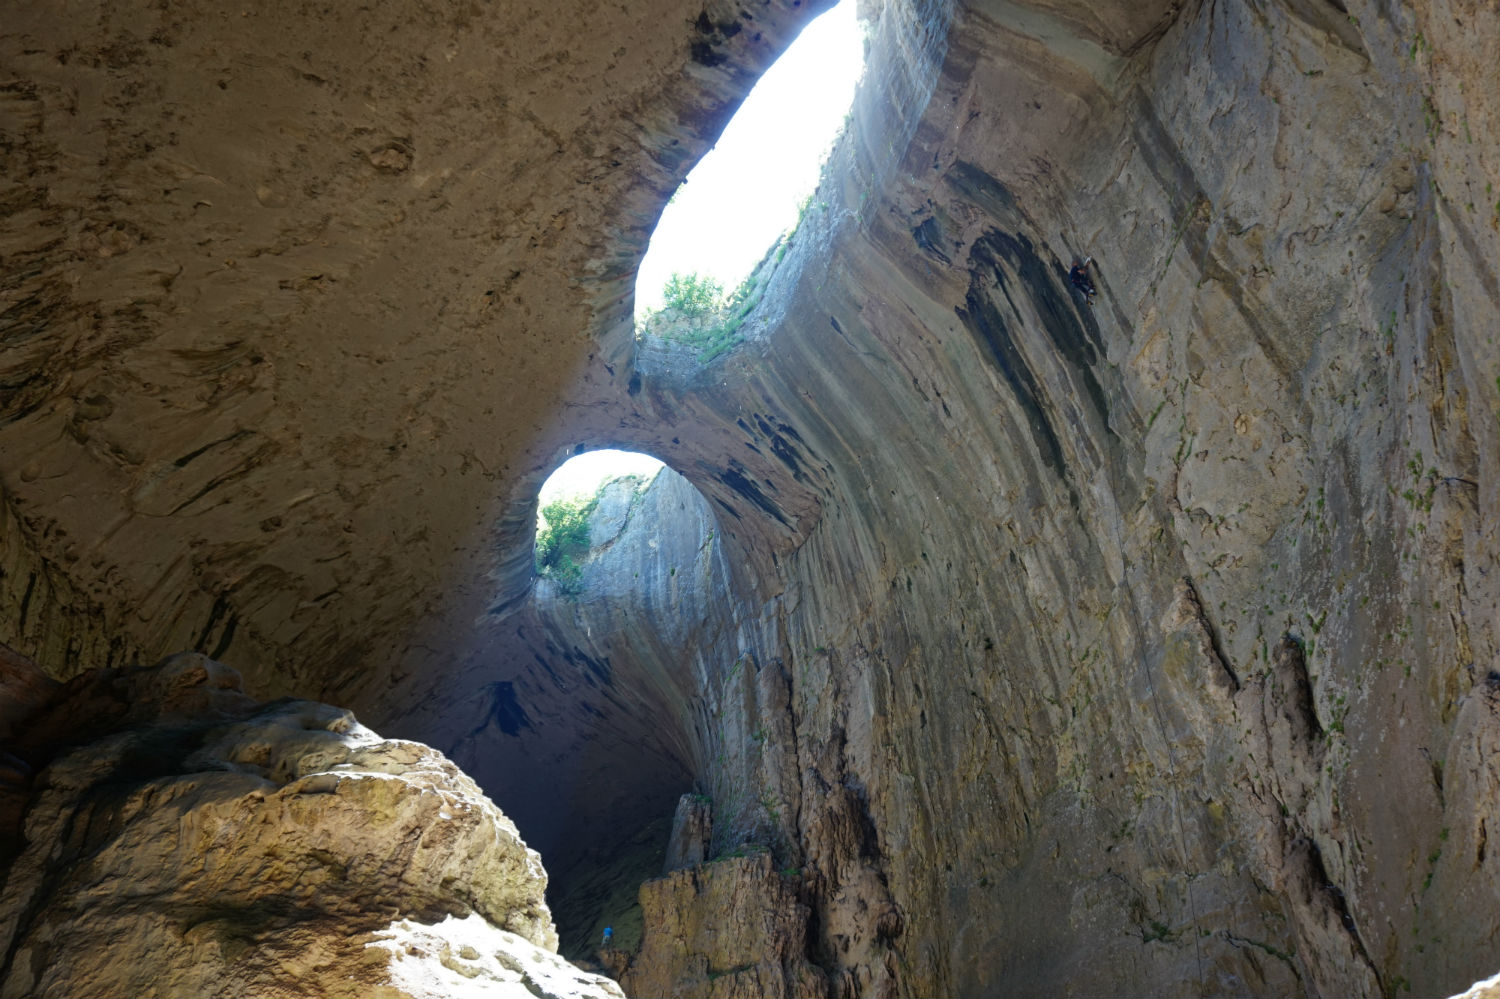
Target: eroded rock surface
1138,646
735,927
1135,644
692,833
184,838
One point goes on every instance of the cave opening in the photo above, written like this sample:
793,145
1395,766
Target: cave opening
728,227
568,501
679,664
633,601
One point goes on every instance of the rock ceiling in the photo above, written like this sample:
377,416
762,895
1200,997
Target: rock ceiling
1142,613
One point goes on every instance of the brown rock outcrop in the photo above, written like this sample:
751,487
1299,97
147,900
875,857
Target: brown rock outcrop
692,833
186,839
734,927
1123,625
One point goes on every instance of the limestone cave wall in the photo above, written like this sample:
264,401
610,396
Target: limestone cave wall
1146,645
1103,552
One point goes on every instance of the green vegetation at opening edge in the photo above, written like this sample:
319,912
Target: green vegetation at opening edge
696,311
562,536
562,541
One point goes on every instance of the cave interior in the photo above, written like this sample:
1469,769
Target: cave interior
987,637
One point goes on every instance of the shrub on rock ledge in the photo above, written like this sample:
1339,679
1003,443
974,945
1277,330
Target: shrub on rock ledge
696,312
562,541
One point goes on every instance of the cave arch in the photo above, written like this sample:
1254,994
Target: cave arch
578,763
605,482
644,615
761,481
728,227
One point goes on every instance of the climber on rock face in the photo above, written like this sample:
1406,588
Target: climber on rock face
1079,275
609,937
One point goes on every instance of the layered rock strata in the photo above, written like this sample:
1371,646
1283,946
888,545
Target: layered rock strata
289,290
184,839
1144,645
1141,638
731,928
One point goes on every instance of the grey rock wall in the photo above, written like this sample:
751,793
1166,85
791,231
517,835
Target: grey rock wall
1135,643
1136,647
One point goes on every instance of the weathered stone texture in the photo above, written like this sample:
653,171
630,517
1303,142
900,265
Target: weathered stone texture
286,289
1142,636
1143,646
692,833
184,839
731,928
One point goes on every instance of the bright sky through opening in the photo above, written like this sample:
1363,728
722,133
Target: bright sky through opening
580,476
745,192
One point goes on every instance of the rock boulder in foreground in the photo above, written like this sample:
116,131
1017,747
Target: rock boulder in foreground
184,839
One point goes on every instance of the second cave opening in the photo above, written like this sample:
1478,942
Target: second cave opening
633,600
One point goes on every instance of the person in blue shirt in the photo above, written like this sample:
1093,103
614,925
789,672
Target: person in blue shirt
609,937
